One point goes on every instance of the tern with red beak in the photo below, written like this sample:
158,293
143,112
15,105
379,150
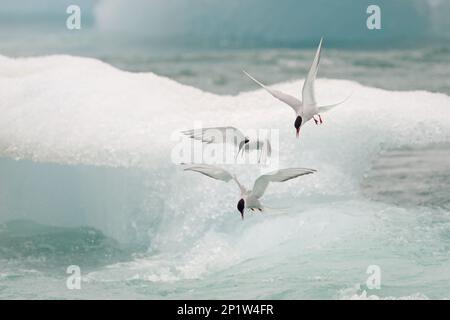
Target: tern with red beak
307,108
250,199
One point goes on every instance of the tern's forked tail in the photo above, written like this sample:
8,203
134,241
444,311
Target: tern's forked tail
271,210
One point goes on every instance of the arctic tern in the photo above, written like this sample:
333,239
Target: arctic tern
250,199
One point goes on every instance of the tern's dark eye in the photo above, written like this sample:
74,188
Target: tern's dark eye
241,205
298,122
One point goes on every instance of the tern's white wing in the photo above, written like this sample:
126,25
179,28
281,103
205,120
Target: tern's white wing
215,173
260,144
211,171
308,96
291,101
216,135
282,175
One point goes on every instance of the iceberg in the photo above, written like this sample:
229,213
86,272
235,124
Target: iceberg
84,143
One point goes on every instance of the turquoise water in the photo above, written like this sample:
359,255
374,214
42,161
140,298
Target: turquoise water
423,66
139,228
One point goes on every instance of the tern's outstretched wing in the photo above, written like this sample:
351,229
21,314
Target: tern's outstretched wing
291,101
259,145
215,173
282,175
216,135
308,95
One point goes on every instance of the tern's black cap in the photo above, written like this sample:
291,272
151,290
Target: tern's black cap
298,122
241,207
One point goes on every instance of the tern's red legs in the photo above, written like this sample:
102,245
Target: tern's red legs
319,120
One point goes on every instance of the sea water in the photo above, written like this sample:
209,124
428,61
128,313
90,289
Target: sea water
86,176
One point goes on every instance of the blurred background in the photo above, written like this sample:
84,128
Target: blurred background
205,43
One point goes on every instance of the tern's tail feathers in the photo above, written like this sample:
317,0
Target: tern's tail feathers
271,210
331,106
254,80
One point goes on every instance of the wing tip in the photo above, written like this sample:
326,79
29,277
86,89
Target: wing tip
308,169
187,132
189,166
248,75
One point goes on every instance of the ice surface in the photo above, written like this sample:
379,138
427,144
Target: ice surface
71,110
94,145
74,114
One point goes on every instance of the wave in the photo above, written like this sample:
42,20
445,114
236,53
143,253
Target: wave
41,245
87,144
356,293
